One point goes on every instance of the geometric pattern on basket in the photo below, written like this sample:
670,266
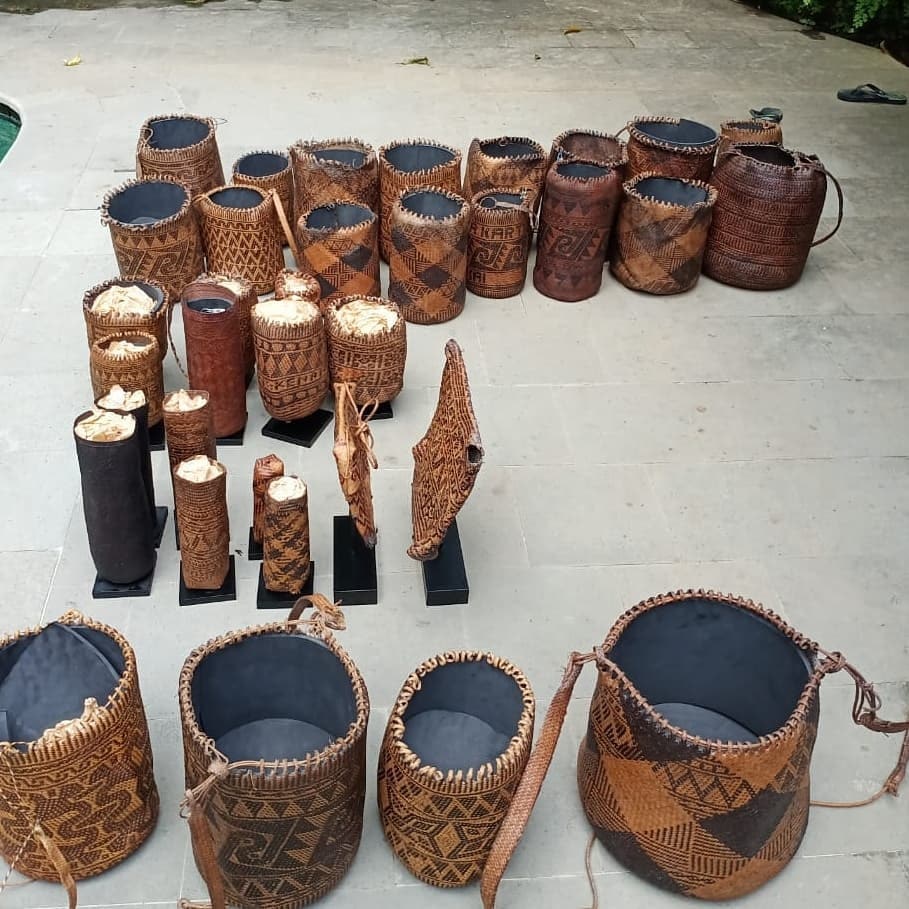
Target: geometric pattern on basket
446,460
138,370
286,565
319,181
281,182
267,468
204,530
515,173
98,325
685,162
497,249
197,167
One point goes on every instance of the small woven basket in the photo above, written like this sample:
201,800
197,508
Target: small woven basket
339,246
670,147
334,169
267,468
155,323
510,163
265,171
428,263
136,370
298,284
372,361
247,298
204,529
180,147
455,748
413,164
500,235
750,132
155,233
286,564
188,432
241,234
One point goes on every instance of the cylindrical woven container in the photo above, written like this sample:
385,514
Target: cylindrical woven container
183,148
286,564
247,298
267,468
89,790
214,353
290,283
580,203
155,233
204,526
510,163
139,368
274,743
98,323
457,741
750,132
331,169
241,234
367,346
500,235
428,264
671,148
189,432
661,233
769,203
115,504
339,246
413,164
291,357
267,170
589,145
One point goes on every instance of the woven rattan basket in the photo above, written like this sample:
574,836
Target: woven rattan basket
155,233
204,527
247,298
267,468
188,432
751,132
589,145
140,369
500,234
290,283
331,169
78,801
155,323
274,740
455,748
286,563
181,147
265,171
671,148
509,162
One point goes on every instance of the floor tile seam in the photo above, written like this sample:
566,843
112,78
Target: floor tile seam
709,462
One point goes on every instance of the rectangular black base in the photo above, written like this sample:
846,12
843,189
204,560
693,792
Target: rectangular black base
445,577
355,581
383,412
160,523
235,439
298,432
105,590
226,592
269,599
253,548
156,437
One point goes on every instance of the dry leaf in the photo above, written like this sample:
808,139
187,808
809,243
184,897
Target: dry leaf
73,61
572,30
418,61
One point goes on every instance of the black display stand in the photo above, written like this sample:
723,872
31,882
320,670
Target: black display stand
226,592
445,577
105,590
235,439
299,432
269,599
160,523
355,581
383,412
156,437
253,548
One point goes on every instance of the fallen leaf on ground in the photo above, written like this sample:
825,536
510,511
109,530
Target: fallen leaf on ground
73,61
572,30
418,61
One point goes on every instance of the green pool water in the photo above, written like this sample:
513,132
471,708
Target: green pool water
9,128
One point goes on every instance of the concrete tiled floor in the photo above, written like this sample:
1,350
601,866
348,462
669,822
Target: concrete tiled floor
750,442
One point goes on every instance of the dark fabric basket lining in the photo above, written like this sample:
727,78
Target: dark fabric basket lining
768,154
333,217
430,204
177,132
348,156
149,201
580,170
683,133
498,149
209,305
237,197
495,200
676,192
412,158
262,164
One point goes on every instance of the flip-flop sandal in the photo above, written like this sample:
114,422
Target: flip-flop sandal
767,113
870,94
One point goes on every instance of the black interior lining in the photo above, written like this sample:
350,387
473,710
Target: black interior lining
768,154
209,305
430,204
176,132
333,217
262,164
685,132
237,197
498,148
414,157
667,189
580,170
147,202
501,200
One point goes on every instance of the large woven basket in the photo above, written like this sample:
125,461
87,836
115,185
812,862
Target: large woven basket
427,268
671,148
509,162
769,204
266,171
455,748
694,771
76,801
331,169
241,234
589,145
155,233
274,739
339,246
138,370
750,132
247,298
661,233
500,234
155,323
373,361
181,147
413,164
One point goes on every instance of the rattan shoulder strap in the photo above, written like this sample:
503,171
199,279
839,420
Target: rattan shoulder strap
285,226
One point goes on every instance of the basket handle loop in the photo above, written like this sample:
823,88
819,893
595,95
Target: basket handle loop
839,197
327,614
528,790
285,226
624,129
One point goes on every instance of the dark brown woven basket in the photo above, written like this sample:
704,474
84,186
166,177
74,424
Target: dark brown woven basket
188,432
81,801
339,246
751,132
265,171
286,565
500,235
302,813
579,206
661,233
204,529
508,162
247,298
427,269
670,147
155,233
300,284
330,169
241,234
413,164
292,363
440,816
139,370
374,363
589,145
181,147
155,323
769,203
266,469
